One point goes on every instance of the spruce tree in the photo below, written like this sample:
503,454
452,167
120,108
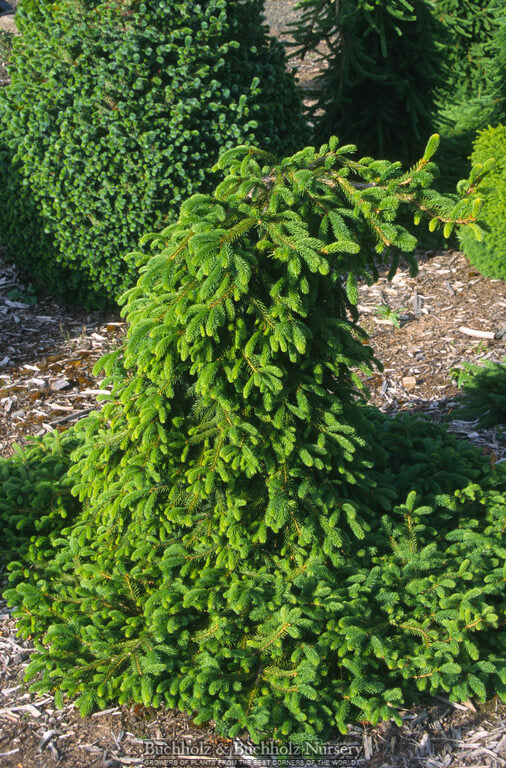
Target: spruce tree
472,94
497,87
255,546
467,29
380,69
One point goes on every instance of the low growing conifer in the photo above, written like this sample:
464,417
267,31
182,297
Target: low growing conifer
255,545
36,499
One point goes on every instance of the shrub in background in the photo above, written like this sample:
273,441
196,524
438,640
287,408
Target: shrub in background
467,30
488,255
255,547
5,46
498,72
484,392
472,93
381,69
5,54
116,112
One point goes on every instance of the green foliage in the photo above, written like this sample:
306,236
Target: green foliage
115,114
381,69
473,91
393,315
468,28
35,498
484,390
458,124
497,72
5,45
25,294
255,546
488,254
34,9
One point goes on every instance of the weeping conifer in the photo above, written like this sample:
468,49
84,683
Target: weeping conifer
255,546
472,94
380,69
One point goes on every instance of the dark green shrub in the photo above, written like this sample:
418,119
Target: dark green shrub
484,392
472,94
497,86
467,30
382,68
489,254
116,111
458,126
256,547
5,45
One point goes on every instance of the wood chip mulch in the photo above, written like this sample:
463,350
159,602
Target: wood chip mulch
47,354
448,315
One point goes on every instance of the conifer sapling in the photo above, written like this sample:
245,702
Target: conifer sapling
247,549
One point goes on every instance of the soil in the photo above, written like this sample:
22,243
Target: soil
7,29
47,352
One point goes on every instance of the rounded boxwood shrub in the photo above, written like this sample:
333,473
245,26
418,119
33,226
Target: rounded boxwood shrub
489,254
255,546
116,113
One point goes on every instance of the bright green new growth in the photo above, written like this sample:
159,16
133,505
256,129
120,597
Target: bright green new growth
254,546
484,392
33,7
488,255
380,69
116,112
